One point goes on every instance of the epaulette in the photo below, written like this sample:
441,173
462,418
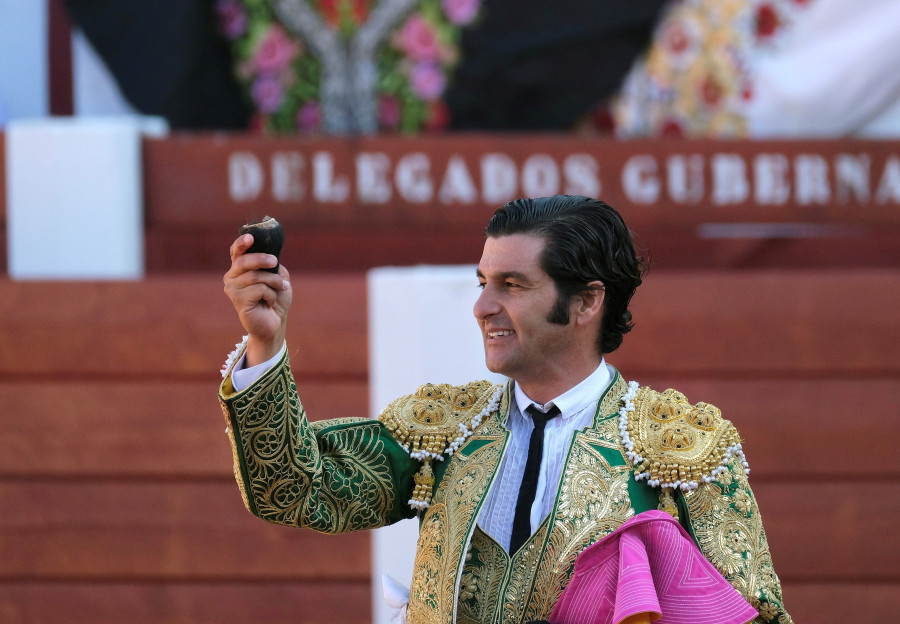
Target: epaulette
434,421
674,444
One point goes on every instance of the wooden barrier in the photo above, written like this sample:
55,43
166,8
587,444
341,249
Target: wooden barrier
116,474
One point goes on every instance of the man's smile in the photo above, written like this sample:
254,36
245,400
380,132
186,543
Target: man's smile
500,333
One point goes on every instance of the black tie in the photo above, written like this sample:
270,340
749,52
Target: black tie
522,520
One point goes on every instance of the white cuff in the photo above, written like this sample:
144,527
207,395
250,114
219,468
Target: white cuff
242,378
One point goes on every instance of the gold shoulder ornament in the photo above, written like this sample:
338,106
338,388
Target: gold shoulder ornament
434,422
673,444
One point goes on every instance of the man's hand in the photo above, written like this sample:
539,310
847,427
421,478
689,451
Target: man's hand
261,299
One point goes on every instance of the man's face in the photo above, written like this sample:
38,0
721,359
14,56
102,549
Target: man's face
512,310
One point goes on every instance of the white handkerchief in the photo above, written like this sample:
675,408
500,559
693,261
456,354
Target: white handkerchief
396,595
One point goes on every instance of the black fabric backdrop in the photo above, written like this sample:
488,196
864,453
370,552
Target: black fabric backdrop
526,65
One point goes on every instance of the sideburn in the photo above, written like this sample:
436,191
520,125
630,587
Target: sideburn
559,313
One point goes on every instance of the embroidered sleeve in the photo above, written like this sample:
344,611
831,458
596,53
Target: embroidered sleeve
330,476
692,450
724,519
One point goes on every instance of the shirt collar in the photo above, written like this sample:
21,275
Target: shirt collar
573,400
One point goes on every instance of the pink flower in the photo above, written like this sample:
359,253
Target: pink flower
461,12
427,81
274,51
388,112
267,93
310,116
231,17
418,40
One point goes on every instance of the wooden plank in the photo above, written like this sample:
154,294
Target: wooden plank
349,603
158,428
159,531
765,324
117,429
838,603
170,326
186,603
705,324
3,193
828,531
166,530
362,246
789,425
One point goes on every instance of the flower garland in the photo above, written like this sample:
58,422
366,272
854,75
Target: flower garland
697,78
734,450
282,77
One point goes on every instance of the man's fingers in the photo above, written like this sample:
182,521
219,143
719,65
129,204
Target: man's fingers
255,293
245,263
240,245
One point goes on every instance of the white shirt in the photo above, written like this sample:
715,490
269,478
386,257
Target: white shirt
577,408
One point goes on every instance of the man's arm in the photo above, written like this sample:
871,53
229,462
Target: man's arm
331,476
724,520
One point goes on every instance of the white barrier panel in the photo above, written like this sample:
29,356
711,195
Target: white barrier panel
421,330
74,197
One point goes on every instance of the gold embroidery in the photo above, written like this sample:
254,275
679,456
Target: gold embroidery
454,509
435,420
593,501
331,477
667,503
727,525
679,443
425,598
483,573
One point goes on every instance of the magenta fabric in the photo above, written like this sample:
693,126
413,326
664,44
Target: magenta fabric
649,564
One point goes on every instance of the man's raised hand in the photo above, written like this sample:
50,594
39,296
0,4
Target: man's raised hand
261,299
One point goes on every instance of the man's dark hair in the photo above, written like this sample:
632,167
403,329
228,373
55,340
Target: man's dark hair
586,241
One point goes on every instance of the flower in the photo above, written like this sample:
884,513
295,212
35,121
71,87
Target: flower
231,18
388,112
671,128
460,12
711,92
274,51
336,10
438,116
417,39
427,81
767,21
267,93
310,116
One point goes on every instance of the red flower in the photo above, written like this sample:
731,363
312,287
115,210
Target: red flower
671,129
603,121
767,21
331,10
711,92
676,38
438,116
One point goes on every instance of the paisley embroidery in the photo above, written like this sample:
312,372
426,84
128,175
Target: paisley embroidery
728,528
337,481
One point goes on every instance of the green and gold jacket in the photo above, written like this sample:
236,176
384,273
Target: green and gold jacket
436,453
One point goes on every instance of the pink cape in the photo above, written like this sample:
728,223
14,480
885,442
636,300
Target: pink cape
649,564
